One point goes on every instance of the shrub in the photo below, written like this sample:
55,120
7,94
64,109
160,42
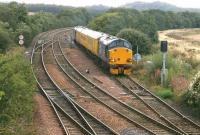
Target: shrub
136,38
18,85
5,40
193,96
176,68
164,92
179,84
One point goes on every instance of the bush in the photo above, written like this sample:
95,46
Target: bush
136,38
176,70
164,93
17,84
179,84
5,40
193,96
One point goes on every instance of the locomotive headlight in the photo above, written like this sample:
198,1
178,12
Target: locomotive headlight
112,60
129,60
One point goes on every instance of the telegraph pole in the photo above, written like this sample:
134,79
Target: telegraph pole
164,71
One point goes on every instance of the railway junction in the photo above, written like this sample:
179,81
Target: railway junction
86,100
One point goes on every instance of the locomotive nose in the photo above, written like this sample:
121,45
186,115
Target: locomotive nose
120,56
129,60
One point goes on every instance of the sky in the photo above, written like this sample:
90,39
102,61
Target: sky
111,3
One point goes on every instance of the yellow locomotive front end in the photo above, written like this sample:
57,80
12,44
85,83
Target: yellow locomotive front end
120,60
114,52
120,57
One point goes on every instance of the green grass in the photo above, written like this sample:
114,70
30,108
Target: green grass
164,93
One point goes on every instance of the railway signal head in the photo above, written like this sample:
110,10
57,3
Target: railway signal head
164,46
21,42
21,39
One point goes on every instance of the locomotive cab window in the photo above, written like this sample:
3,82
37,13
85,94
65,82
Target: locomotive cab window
112,45
127,45
120,43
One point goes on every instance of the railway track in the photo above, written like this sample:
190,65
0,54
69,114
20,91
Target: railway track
68,112
45,84
178,120
59,55
154,117
128,112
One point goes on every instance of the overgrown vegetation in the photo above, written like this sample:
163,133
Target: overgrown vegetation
14,20
16,91
136,38
148,22
164,92
193,95
179,74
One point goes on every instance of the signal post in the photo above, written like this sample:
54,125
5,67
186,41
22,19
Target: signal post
164,71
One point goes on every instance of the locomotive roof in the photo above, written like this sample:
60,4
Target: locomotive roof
104,38
89,32
107,39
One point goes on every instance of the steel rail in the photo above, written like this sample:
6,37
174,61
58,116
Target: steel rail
181,116
105,104
149,107
81,108
169,128
90,131
68,98
51,101
54,109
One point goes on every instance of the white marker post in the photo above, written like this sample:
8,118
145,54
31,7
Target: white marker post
137,56
21,39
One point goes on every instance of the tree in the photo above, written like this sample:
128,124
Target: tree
74,16
5,40
146,24
110,23
136,38
42,22
13,13
17,87
116,19
1,94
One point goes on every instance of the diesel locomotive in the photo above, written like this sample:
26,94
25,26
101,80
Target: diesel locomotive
113,51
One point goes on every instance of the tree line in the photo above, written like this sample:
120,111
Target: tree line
14,20
146,22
